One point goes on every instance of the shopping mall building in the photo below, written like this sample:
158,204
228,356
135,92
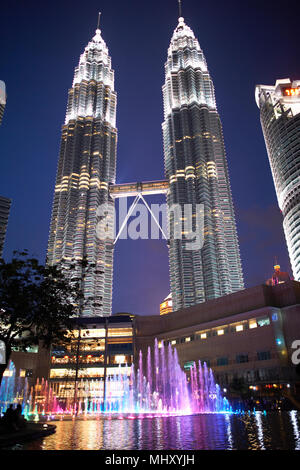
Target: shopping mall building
247,335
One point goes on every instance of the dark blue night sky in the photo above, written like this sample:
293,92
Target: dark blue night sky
245,43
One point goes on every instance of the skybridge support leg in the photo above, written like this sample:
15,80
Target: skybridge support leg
153,216
130,211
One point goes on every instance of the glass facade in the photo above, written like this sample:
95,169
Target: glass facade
280,120
98,352
196,167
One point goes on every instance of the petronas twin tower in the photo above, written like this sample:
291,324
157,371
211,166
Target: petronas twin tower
195,169
87,164
195,164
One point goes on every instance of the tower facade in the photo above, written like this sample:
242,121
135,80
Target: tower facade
2,99
5,204
280,120
196,167
86,167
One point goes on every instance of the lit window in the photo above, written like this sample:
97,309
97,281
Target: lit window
203,335
59,373
174,341
263,321
187,340
93,333
120,359
220,332
252,324
119,332
239,328
8,373
111,371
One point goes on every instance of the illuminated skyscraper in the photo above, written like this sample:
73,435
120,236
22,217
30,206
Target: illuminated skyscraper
196,166
5,203
4,214
280,119
87,164
2,99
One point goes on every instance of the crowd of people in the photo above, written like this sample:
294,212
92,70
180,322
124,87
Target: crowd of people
13,420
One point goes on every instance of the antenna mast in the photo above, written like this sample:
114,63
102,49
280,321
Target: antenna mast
180,8
98,24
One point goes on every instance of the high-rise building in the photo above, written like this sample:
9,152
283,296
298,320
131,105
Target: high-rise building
87,164
4,202
280,120
166,306
4,214
2,99
196,167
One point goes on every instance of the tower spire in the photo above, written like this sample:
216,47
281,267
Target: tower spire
180,9
98,23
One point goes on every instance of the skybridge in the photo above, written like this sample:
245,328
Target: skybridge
143,188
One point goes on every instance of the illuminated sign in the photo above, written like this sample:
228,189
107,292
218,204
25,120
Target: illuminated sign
188,365
291,91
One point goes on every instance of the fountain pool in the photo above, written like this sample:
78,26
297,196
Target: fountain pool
157,387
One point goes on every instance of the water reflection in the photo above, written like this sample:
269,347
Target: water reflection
246,431
229,432
293,417
260,432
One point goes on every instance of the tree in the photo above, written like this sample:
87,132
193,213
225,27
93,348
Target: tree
37,304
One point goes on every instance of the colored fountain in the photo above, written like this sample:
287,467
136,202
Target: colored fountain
157,387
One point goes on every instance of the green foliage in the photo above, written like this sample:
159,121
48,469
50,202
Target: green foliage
37,303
